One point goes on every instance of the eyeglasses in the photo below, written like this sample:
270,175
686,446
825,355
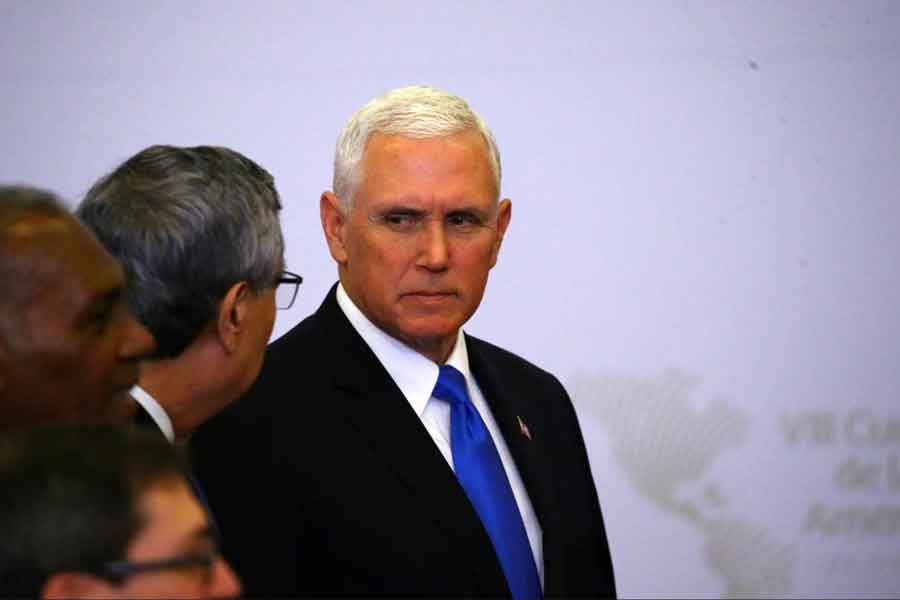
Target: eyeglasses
118,570
286,290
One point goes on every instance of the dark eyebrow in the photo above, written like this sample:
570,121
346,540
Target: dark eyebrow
469,209
399,208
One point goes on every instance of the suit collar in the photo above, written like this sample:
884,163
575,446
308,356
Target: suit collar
151,413
377,409
413,373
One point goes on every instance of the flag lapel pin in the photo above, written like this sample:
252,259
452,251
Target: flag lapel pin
523,428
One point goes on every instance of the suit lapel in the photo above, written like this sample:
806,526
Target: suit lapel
377,409
510,404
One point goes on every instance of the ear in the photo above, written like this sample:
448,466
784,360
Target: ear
334,223
77,585
503,217
232,319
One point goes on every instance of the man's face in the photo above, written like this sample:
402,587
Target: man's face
72,352
425,229
175,526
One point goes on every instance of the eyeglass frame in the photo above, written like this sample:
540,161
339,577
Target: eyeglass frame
118,570
287,277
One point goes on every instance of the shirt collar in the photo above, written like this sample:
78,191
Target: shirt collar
155,410
415,374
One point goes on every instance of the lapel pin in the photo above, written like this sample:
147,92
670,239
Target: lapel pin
523,428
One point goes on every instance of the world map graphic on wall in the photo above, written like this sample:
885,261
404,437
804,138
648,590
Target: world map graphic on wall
665,441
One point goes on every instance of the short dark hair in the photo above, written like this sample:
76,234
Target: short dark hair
18,200
69,498
16,203
187,224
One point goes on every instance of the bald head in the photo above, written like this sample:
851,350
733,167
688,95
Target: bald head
68,346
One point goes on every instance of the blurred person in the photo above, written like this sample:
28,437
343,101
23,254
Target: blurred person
69,348
198,233
402,456
100,512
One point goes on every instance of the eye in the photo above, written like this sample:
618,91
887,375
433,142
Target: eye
204,569
101,321
464,221
400,220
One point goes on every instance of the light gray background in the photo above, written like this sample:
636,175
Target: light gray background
703,193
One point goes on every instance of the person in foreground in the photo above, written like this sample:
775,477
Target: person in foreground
100,512
69,348
198,234
383,451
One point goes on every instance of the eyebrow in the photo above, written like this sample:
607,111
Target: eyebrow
413,208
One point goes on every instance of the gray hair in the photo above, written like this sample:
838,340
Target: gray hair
187,224
416,112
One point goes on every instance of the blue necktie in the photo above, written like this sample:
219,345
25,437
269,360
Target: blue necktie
480,472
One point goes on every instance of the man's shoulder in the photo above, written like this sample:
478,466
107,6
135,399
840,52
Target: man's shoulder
484,354
309,336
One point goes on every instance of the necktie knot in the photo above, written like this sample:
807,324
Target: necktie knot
451,386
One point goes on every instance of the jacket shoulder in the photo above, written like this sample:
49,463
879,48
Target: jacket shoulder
507,362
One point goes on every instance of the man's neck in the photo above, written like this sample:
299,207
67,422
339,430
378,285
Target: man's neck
184,386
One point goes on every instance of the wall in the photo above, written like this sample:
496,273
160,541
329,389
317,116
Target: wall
703,247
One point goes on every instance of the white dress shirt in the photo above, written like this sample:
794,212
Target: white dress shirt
155,410
416,377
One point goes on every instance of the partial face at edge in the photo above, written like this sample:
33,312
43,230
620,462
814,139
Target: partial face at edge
406,255
75,346
174,526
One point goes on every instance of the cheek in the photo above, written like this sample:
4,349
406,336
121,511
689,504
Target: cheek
100,355
475,264
382,266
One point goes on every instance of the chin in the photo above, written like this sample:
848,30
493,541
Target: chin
430,335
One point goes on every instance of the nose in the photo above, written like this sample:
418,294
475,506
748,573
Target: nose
225,582
137,343
434,252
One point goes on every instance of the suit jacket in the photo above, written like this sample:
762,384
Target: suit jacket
143,421
324,480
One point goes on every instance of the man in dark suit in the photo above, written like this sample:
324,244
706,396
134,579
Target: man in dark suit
198,233
384,451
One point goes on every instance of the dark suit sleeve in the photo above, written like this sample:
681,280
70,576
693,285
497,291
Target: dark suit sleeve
554,467
589,564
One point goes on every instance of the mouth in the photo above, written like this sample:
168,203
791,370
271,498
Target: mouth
430,298
430,295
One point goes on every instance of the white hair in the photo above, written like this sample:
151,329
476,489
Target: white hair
416,111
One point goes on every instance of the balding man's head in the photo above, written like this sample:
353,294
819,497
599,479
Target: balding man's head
68,346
